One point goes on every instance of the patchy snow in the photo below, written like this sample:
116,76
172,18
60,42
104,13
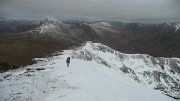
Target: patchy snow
51,80
177,26
45,28
102,26
49,24
107,24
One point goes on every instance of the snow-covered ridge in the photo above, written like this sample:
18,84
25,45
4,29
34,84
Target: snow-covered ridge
158,73
108,75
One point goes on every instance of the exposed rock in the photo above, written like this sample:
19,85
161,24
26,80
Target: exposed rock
6,67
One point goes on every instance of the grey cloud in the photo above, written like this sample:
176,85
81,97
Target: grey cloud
104,9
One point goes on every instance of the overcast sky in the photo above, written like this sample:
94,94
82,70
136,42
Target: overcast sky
135,10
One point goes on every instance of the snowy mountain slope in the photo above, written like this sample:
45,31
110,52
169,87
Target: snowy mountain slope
51,80
83,80
50,28
50,24
159,73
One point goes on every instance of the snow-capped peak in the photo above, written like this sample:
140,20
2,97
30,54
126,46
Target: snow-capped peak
52,21
50,24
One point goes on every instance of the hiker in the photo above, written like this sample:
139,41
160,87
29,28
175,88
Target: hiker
68,61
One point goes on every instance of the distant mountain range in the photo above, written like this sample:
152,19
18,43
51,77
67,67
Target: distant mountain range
22,40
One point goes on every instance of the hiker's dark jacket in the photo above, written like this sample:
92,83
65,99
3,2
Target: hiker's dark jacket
68,60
